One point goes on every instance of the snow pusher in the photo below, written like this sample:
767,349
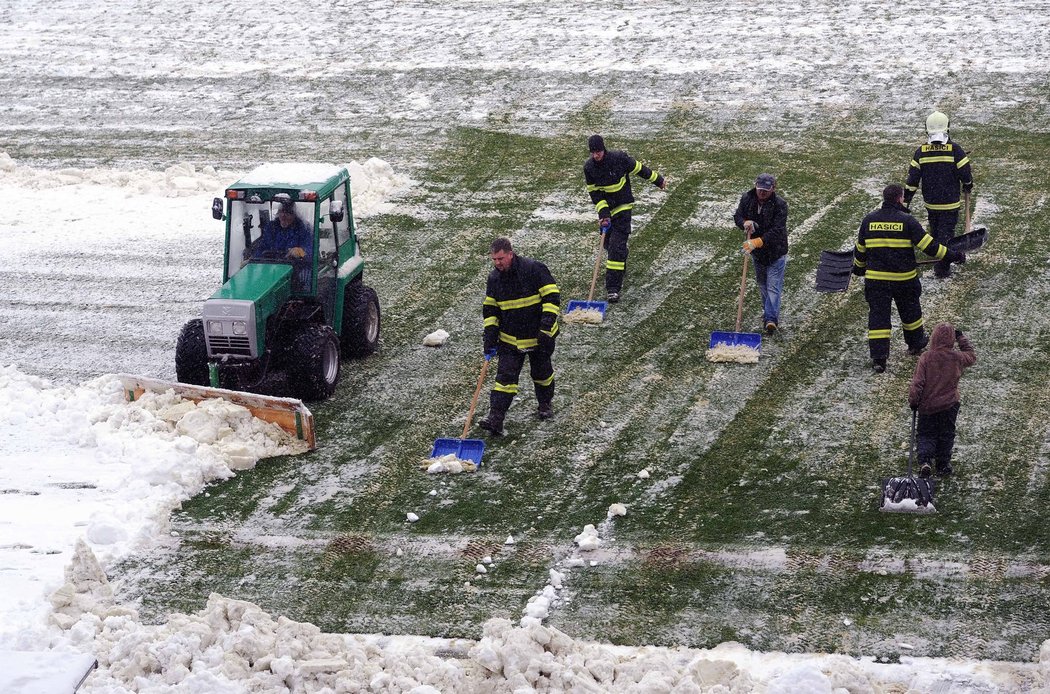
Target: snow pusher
584,309
836,267
730,340
292,302
464,448
288,413
908,494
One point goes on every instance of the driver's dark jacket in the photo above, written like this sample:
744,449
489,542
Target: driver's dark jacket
278,239
520,303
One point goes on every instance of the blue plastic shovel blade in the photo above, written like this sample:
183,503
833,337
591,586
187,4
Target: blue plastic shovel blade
599,306
464,449
752,340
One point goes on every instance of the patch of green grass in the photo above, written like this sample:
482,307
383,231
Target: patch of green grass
779,459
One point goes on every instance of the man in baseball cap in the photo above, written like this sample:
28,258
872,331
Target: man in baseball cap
762,214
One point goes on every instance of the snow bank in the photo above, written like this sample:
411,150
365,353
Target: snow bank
80,462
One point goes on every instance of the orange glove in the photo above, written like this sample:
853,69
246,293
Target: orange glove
296,252
752,244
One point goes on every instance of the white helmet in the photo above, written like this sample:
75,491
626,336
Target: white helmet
937,127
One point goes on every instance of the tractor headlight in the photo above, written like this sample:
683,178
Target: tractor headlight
239,327
214,327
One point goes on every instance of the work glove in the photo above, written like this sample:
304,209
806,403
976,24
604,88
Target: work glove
546,343
296,252
967,187
908,195
955,257
604,224
958,334
752,244
858,271
490,353
914,406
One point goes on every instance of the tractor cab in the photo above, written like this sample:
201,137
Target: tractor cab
292,302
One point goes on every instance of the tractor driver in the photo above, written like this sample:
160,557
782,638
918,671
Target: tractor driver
285,237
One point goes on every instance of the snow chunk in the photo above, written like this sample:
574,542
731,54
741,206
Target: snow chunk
588,539
436,338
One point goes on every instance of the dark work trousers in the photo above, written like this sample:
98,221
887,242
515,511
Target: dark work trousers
881,294
510,361
935,437
616,244
942,225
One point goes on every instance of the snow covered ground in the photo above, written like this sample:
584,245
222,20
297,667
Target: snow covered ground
114,118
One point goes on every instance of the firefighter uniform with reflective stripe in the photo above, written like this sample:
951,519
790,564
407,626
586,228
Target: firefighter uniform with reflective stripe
609,185
885,255
942,168
520,312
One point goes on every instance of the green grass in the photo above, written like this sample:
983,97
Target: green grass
759,522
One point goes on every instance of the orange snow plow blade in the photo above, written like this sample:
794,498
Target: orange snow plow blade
288,413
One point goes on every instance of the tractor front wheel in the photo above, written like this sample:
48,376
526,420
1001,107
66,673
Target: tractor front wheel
360,333
313,361
191,354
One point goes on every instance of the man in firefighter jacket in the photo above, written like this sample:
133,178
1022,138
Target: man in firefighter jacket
608,176
520,312
942,166
885,256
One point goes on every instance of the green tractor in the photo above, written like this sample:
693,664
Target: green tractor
292,300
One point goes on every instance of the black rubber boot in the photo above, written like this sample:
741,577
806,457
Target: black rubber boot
493,424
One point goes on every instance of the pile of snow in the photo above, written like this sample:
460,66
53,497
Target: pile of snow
372,184
448,463
739,354
80,462
591,316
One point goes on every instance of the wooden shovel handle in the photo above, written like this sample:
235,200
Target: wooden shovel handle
740,299
474,400
966,201
597,263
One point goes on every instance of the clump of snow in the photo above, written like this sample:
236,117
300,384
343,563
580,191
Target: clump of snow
436,338
591,316
643,474
906,506
448,463
588,539
739,354
509,540
411,517
617,510
481,569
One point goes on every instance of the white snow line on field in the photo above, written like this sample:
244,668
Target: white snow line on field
811,221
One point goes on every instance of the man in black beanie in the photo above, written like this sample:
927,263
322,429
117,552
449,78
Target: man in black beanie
608,176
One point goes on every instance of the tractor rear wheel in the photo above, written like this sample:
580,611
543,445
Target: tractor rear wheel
313,361
361,320
191,354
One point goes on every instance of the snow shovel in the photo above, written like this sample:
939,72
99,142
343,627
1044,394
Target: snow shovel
751,340
834,271
464,448
599,306
970,241
908,494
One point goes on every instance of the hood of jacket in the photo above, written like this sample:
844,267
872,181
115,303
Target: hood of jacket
943,336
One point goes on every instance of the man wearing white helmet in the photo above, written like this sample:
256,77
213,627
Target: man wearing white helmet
943,167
